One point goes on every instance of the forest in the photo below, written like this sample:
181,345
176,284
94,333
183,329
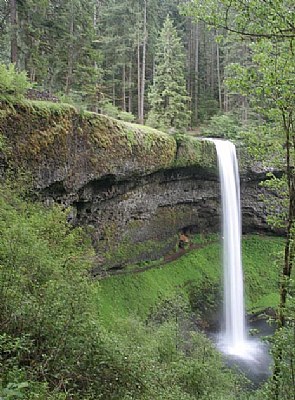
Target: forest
199,68
103,55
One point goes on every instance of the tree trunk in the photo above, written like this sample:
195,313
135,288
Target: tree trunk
69,77
289,247
245,110
207,51
130,88
114,90
32,74
226,96
197,40
124,87
13,40
213,65
142,86
138,78
189,86
95,23
96,7
218,76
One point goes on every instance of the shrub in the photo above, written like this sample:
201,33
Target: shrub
12,82
222,126
109,109
45,293
113,111
126,116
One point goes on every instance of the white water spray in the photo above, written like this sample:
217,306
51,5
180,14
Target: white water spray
234,338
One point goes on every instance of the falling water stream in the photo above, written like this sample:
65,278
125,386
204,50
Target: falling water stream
233,339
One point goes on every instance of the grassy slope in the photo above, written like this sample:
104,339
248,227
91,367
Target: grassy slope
262,258
136,294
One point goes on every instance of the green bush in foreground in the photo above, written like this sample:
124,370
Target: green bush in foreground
45,295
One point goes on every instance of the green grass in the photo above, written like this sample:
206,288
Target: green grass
262,258
138,294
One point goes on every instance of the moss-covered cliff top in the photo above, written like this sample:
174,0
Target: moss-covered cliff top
57,143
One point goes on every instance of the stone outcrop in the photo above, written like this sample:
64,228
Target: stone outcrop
135,189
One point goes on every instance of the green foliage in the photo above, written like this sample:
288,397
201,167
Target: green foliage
282,349
126,116
250,19
168,97
261,270
13,84
276,206
268,81
222,126
204,375
208,107
44,291
14,391
173,365
111,110
264,143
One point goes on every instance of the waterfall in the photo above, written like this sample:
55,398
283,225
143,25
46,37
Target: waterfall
234,338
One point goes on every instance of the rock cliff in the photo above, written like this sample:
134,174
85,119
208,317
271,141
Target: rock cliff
135,188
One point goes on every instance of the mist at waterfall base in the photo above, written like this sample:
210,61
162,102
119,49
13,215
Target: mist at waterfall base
250,354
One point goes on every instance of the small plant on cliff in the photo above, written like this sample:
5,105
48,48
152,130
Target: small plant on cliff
12,82
107,108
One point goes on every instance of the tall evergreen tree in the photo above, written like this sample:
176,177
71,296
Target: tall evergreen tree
168,96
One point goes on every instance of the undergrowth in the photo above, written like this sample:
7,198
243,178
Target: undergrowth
137,294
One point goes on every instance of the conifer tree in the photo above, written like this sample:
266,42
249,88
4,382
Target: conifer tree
168,96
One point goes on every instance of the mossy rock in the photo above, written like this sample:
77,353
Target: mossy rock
55,142
192,151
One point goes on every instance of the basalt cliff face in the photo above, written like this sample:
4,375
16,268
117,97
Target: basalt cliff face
135,189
